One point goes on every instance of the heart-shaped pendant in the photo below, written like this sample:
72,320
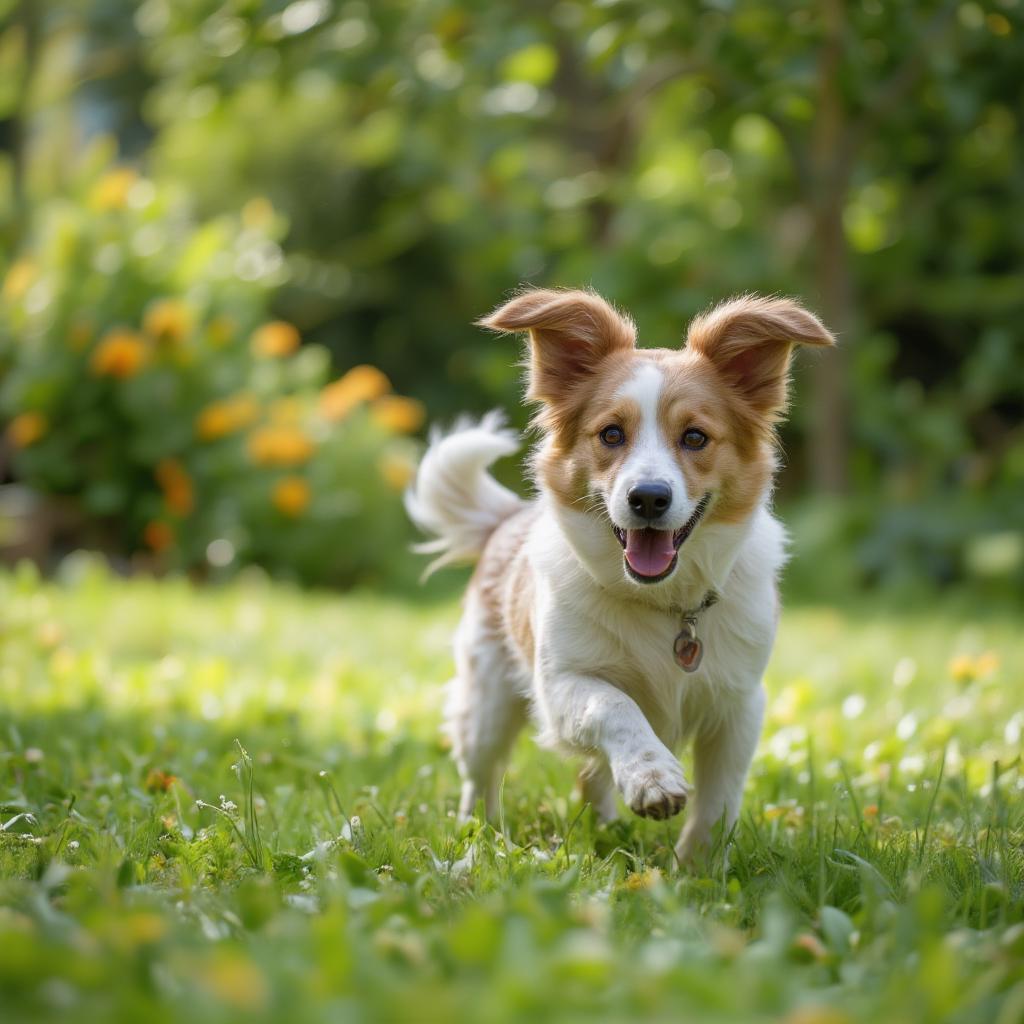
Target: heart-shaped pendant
688,649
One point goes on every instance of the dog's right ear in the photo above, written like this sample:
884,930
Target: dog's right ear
571,332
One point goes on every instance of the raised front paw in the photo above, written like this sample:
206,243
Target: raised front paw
653,785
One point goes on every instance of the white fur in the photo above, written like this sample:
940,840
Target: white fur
604,684
649,458
454,497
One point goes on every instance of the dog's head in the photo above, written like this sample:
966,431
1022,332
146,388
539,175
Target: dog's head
657,441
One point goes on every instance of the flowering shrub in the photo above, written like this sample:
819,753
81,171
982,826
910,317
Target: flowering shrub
144,387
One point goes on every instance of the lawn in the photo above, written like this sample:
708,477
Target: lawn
152,870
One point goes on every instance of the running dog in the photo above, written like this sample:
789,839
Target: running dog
630,606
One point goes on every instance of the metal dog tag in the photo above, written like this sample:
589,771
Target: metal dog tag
687,648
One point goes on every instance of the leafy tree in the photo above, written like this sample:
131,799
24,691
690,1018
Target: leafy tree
430,156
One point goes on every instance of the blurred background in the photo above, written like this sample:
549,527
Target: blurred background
243,243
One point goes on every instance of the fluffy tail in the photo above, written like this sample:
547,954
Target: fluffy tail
454,497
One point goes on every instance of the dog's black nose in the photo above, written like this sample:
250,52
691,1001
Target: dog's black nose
650,499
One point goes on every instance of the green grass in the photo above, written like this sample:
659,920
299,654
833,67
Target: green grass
877,873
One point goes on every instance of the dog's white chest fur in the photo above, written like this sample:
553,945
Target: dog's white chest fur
609,628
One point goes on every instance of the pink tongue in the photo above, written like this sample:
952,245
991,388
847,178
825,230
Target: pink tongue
649,552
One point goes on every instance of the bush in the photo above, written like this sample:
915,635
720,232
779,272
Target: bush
145,391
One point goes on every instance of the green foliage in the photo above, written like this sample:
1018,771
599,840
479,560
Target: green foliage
428,157
145,389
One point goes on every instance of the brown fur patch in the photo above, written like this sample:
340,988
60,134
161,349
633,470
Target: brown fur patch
749,340
504,583
572,334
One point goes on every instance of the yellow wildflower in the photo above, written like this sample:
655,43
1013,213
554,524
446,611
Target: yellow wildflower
159,536
397,470
27,428
176,485
167,320
120,353
279,446
641,880
965,669
19,279
360,384
273,340
111,191
218,419
402,415
291,496
961,668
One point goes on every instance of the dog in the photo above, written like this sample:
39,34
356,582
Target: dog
631,605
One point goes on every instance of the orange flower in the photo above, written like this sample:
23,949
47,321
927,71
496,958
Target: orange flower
279,446
291,496
120,353
226,416
159,536
402,415
159,781
111,191
19,279
273,340
27,428
176,485
167,320
396,470
360,384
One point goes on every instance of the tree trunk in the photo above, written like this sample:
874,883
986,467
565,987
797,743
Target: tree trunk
828,444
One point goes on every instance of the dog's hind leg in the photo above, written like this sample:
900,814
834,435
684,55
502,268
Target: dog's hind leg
485,710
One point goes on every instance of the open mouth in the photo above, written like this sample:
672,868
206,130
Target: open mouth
650,554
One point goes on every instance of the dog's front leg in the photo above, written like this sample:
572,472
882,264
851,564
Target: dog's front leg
721,758
591,715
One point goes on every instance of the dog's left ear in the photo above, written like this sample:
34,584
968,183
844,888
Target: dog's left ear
571,332
750,341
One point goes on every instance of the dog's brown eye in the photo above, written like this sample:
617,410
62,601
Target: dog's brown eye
612,436
694,439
